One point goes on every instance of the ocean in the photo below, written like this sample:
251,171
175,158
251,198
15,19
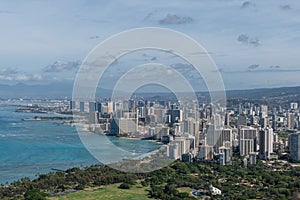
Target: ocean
31,147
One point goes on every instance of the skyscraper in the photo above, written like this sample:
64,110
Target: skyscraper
246,146
72,105
294,146
225,136
81,106
225,156
247,140
263,111
92,106
175,114
266,143
123,126
227,119
290,121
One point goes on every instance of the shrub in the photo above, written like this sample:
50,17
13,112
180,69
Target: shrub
124,186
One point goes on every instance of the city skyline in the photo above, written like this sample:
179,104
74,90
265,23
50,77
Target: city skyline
112,99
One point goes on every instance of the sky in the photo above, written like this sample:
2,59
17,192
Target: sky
255,44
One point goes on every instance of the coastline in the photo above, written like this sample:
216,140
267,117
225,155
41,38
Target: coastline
36,146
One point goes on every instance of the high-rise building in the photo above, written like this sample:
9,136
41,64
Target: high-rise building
290,121
205,152
142,111
93,117
180,146
123,126
266,143
81,106
225,156
212,135
117,106
191,126
161,130
110,107
72,105
92,107
247,132
294,146
263,122
224,139
247,140
246,146
160,115
227,119
175,115
263,111
99,107
274,122
235,137
241,121
252,158
254,120
173,151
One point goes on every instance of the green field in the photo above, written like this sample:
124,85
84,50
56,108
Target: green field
136,192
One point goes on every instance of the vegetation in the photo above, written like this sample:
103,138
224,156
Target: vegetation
113,192
34,194
279,181
72,179
283,134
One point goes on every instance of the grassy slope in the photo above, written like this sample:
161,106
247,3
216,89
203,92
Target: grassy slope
136,192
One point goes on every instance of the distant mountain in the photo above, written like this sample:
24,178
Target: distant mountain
64,89
265,93
55,90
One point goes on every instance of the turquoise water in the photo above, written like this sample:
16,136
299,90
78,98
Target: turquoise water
29,147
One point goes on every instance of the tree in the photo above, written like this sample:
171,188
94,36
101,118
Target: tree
124,186
144,183
35,194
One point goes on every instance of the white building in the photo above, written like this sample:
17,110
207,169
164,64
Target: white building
214,190
246,146
294,105
247,140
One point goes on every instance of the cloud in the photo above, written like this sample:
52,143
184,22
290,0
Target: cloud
285,7
149,57
175,19
245,39
94,37
12,74
28,77
248,4
8,71
59,66
253,66
275,67
148,16
254,42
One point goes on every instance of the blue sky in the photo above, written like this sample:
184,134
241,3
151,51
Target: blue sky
254,43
